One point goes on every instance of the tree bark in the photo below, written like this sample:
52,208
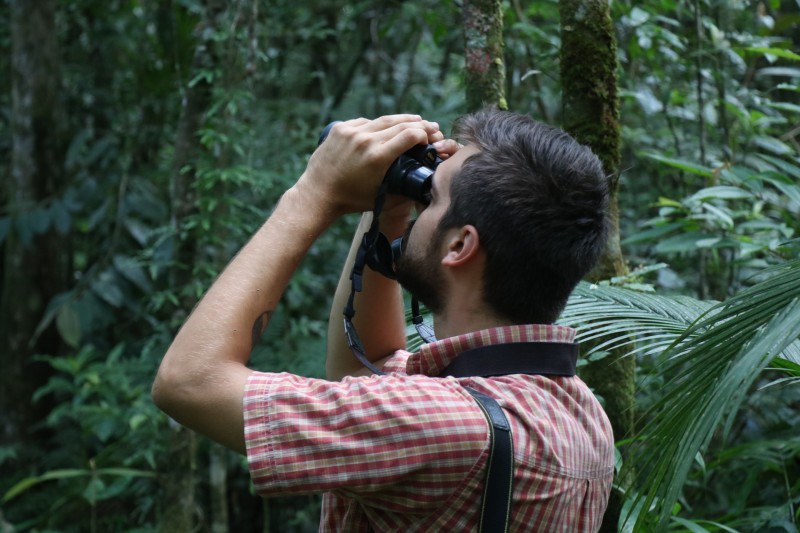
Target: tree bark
591,115
179,507
483,41
36,263
218,486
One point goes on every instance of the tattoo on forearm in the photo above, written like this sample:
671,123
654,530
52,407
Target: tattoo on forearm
259,326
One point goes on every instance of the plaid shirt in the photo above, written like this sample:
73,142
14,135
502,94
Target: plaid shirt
407,451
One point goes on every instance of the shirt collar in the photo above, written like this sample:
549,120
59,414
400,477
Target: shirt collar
432,358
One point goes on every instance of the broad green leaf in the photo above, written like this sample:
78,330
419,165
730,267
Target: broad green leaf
687,166
777,52
653,233
68,323
771,144
782,165
685,242
722,192
68,473
779,71
721,214
29,482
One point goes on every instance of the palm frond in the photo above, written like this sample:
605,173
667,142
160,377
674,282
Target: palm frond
621,316
712,353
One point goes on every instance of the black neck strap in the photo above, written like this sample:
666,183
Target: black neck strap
544,358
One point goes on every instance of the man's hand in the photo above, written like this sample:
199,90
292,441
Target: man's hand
346,170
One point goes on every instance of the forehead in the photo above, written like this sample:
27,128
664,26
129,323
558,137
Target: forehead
450,166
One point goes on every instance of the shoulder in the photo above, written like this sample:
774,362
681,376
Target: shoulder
557,423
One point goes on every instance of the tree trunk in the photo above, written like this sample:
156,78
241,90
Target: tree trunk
591,115
218,486
36,262
178,512
483,41
179,509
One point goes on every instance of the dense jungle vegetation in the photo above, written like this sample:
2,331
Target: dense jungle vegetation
141,143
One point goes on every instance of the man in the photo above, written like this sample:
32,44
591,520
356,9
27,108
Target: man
516,218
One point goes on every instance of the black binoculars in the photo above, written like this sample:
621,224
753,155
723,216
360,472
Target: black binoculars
410,174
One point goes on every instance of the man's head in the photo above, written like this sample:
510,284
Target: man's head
538,200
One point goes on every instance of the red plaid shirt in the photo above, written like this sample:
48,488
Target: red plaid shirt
407,451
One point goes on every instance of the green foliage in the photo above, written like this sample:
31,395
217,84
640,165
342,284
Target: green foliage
108,434
710,357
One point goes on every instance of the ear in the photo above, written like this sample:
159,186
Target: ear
462,246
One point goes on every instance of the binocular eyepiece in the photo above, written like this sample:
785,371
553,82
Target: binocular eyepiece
410,174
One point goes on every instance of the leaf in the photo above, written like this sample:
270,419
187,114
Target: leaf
713,352
62,221
777,52
136,421
53,308
790,367
68,323
685,242
29,482
131,270
714,363
107,288
783,184
94,487
779,71
785,106
692,527
720,214
780,164
653,233
771,144
69,473
722,192
687,166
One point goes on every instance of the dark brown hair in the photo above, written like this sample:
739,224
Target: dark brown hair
539,201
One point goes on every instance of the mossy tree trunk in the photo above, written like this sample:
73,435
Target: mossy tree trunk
483,42
36,259
179,508
591,114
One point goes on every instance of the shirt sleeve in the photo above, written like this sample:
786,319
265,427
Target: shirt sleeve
401,442
397,363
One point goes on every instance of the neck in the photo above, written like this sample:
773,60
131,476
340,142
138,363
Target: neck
457,320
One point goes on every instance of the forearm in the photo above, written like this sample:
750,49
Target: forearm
203,373
202,378
231,316
379,318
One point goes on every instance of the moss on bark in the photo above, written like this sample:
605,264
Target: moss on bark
483,40
591,115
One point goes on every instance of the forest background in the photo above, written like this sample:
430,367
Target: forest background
142,142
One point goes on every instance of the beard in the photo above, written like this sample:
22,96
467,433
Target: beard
419,272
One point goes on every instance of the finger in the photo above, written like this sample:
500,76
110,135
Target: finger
389,121
401,137
435,137
358,121
446,147
347,126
